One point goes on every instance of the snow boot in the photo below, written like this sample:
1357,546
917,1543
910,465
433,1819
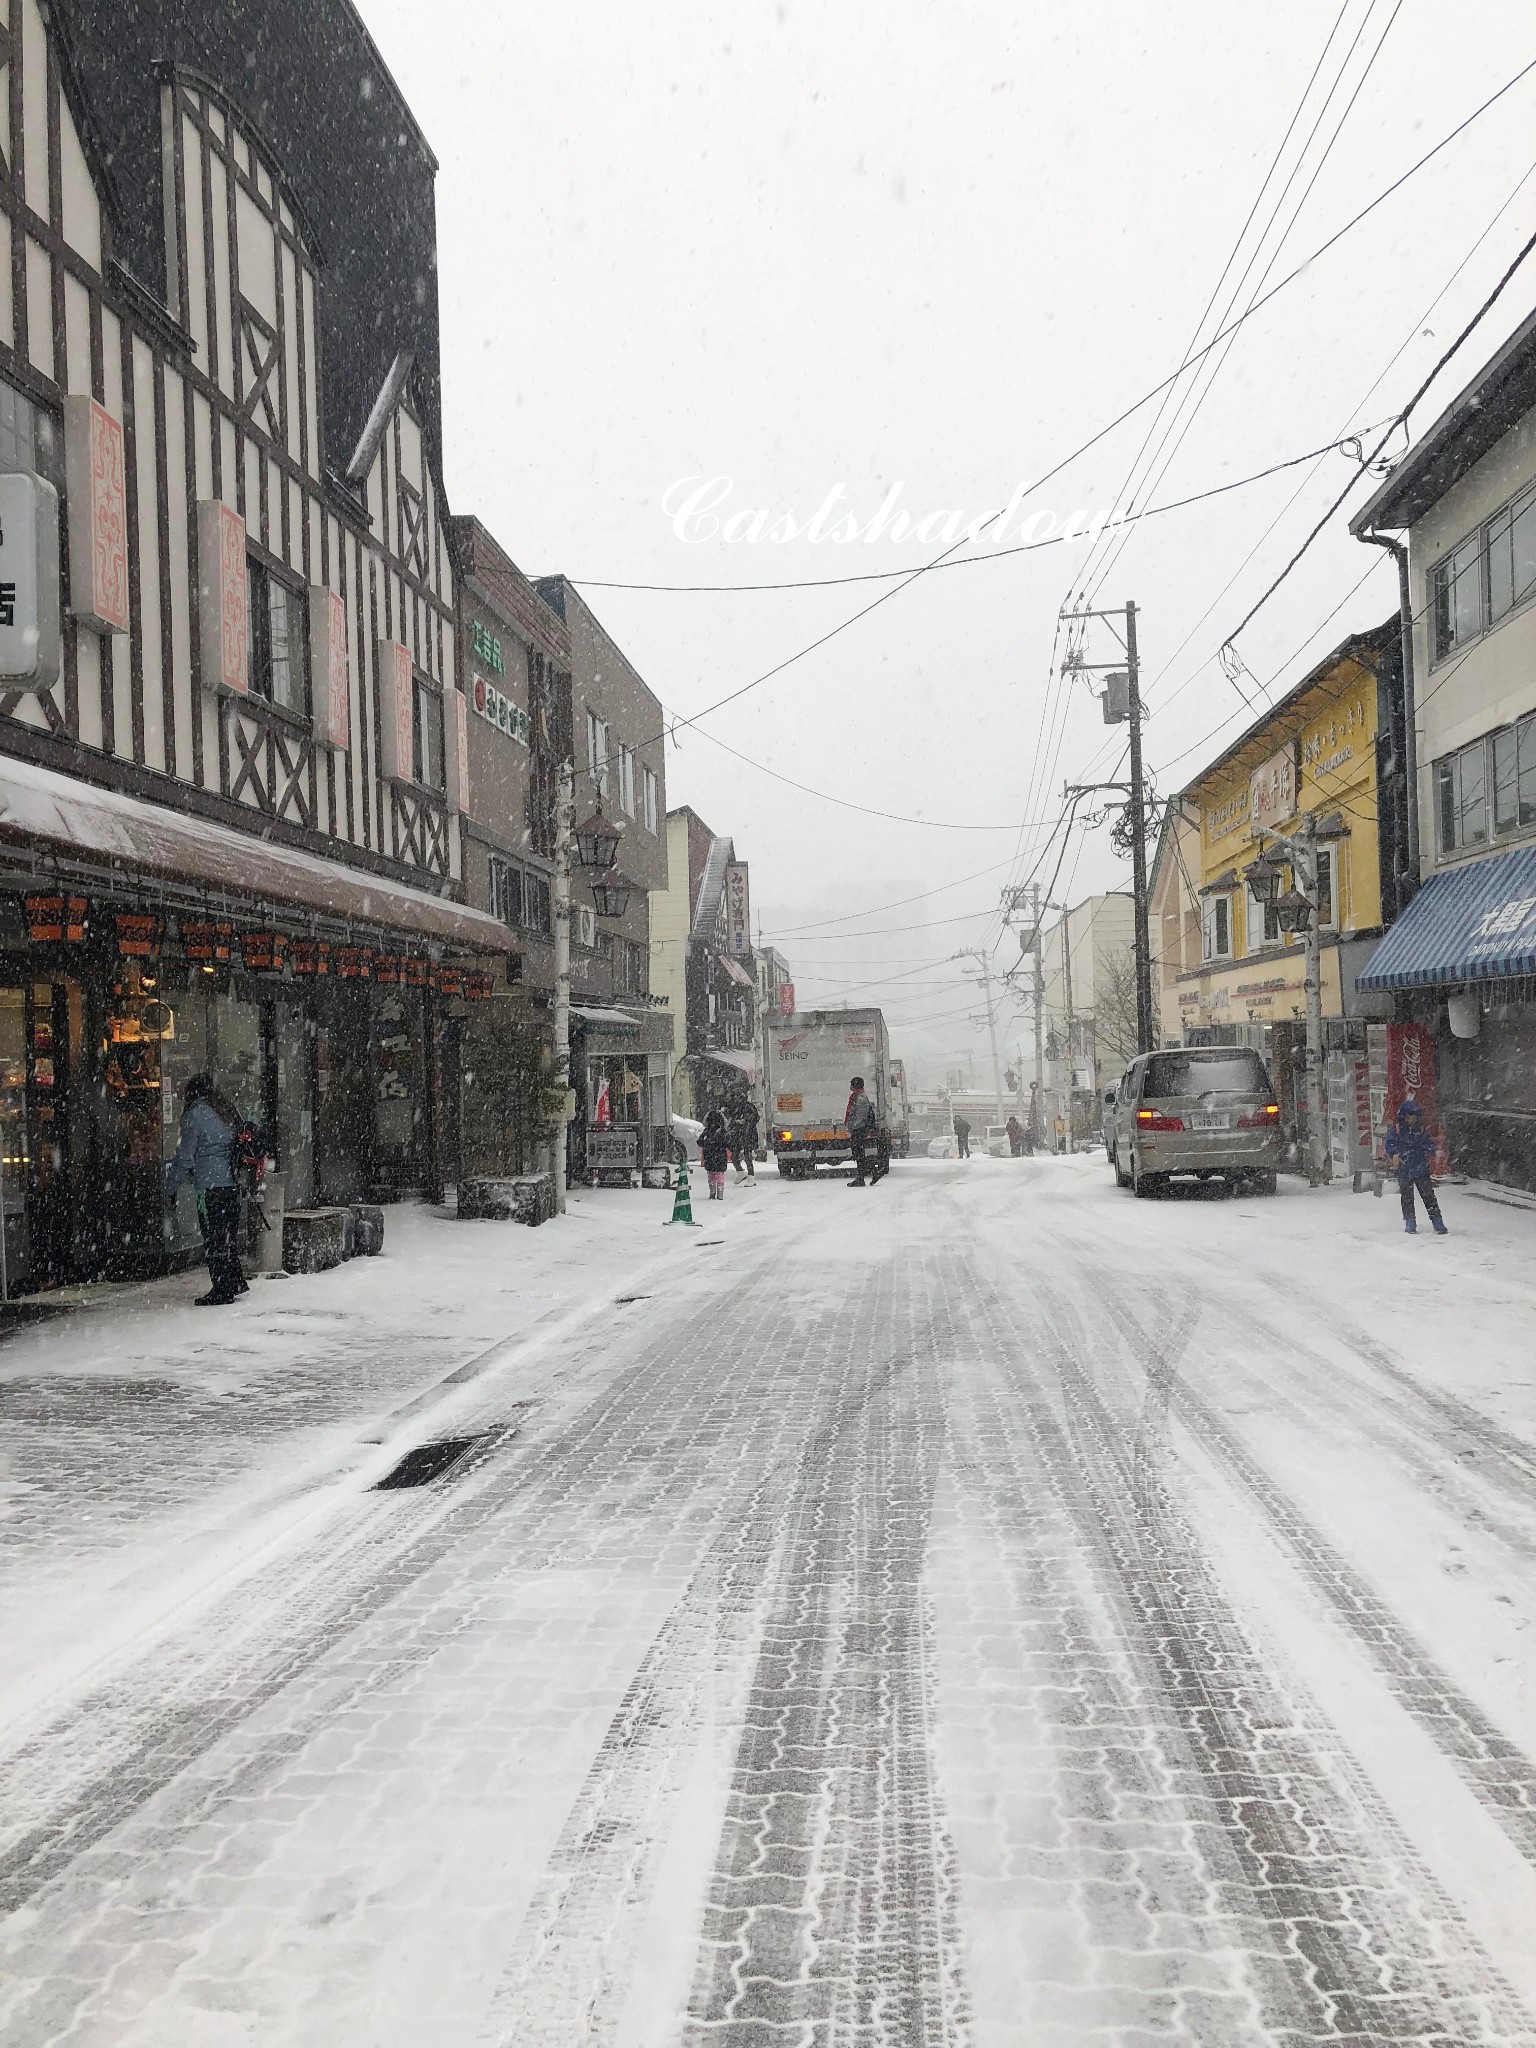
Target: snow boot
1441,1229
1412,1229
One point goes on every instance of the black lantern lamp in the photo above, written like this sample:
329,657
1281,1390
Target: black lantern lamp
1264,877
1293,912
611,894
597,842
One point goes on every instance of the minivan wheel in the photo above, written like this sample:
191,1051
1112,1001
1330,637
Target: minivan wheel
1122,1178
1266,1183
1146,1184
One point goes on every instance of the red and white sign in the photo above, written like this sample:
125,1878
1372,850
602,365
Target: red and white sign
397,707
1411,1071
223,602
98,515
456,723
602,1108
329,682
786,999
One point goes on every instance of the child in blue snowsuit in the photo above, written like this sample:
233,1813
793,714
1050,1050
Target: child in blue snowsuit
1410,1150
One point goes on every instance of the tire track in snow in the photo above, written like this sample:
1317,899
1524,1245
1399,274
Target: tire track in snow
1368,1947
1496,1770
832,1907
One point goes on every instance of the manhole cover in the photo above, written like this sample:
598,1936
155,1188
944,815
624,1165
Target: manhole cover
426,1463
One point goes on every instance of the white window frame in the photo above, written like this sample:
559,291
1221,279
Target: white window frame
652,789
597,753
627,780
1256,933
1215,911
586,926
1327,858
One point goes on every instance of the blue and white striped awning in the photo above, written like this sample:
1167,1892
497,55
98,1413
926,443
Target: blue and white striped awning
1475,922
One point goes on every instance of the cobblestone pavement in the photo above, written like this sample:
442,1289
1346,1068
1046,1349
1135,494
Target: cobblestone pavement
986,1612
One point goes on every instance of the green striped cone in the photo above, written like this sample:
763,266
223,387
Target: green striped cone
682,1201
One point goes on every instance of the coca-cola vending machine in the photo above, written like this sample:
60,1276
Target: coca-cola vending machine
1402,1063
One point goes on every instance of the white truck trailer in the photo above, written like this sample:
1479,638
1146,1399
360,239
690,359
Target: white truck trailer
899,1115
812,1058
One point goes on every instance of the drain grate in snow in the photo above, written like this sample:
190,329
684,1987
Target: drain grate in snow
427,1462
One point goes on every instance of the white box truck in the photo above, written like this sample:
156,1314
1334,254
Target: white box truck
812,1057
899,1115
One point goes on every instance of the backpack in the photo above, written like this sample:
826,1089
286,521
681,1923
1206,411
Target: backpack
248,1153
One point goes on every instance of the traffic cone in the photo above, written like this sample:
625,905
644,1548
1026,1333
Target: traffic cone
682,1201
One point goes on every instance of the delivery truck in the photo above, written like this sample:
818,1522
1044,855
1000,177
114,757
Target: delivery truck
812,1057
899,1115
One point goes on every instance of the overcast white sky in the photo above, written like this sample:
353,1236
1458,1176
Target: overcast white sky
942,246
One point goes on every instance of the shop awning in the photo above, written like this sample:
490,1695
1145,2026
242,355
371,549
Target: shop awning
85,826
743,1062
1476,922
735,970
609,1019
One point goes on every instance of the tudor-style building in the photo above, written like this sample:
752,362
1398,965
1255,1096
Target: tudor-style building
233,749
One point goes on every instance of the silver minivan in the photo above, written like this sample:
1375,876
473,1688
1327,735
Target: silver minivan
1206,1110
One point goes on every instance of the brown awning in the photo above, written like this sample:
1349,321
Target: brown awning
81,825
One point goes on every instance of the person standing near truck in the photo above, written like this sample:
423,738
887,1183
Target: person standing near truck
962,1138
863,1134
741,1121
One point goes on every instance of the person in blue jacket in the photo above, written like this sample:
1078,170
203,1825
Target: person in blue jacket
1410,1150
204,1157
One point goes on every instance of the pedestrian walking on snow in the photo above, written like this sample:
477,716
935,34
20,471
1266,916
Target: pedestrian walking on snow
861,1124
205,1156
715,1152
1015,1132
741,1121
962,1138
1410,1150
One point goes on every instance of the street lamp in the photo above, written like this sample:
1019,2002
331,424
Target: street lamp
611,894
1293,911
597,842
1264,877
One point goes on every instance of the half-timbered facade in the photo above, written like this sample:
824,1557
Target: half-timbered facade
236,710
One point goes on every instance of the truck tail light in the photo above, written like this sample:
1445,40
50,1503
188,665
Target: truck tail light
1262,1119
1154,1120
786,1137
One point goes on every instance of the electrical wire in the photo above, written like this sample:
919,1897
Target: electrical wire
1355,219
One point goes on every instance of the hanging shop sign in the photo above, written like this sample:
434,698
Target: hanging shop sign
387,968
738,908
477,988
139,934
353,963
397,707
29,581
263,952
224,627
456,751
207,942
56,920
1272,789
329,680
309,957
418,973
98,515
450,981
497,709
786,999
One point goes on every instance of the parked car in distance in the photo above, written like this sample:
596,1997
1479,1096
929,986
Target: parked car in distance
1207,1110
997,1145
943,1148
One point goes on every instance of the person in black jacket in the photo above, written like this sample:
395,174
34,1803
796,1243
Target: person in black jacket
1410,1152
741,1122
863,1128
715,1152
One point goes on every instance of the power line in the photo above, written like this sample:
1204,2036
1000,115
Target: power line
833,632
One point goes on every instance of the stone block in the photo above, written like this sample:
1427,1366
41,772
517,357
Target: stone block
314,1239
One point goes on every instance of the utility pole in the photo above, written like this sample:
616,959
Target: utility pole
1036,1129
1300,909
1066,977
1138,841
565,822
1122,706
984,960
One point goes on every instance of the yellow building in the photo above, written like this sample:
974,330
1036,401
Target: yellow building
1227,974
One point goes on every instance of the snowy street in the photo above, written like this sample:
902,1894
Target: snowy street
985,1609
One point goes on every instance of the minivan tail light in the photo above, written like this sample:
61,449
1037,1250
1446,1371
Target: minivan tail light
1262,1119
1154,1120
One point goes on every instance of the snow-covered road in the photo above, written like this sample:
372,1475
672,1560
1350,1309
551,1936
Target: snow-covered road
980,1609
